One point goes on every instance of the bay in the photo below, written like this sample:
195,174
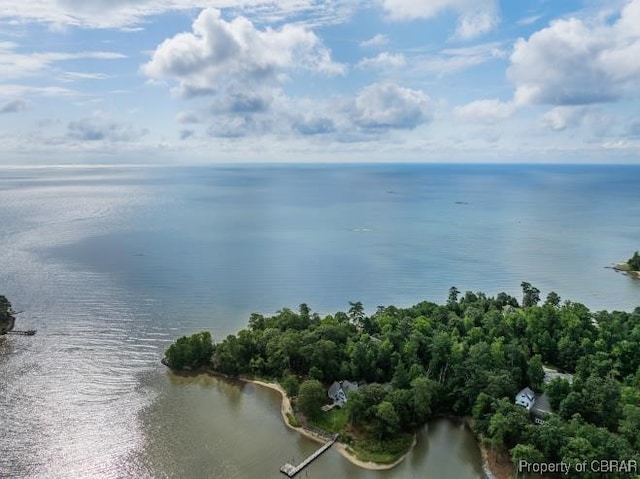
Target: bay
112,264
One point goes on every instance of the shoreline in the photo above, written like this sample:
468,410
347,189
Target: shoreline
626,270
285,408
490,466
343,449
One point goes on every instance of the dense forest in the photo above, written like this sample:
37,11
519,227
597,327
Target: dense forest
468,357
634,262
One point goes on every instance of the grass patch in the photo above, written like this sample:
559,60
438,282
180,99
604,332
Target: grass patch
382,452
332,421
292,420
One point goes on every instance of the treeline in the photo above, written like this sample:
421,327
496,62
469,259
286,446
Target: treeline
634,262
190,353
6,315
468,357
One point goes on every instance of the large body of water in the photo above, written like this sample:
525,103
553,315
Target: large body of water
112,264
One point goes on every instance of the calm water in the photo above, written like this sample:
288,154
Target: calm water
111,264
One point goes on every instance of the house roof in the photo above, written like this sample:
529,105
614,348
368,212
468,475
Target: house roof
528,392
333,390
541,405
348,386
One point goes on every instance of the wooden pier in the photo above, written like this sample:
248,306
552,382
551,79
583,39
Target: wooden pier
290,470
30,332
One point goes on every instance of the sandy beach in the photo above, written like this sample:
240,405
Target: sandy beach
625,269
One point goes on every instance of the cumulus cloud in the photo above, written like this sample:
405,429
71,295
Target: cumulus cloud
572,62
384,60
314,125
236,126
475,17
387,105
485,111
242,102
562,117
102,129
219,52
14,106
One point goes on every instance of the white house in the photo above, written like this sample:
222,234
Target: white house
526,398
538,406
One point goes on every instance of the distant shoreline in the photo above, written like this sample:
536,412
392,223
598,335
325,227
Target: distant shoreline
625,269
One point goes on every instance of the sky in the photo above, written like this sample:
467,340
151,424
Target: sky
222,81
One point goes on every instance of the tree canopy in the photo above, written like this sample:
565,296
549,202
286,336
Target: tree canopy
190,352
5,308
634,262
6,314
469,356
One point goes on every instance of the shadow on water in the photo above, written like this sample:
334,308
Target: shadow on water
6,349
421,451
230,389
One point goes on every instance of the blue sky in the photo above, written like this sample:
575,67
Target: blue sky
191,81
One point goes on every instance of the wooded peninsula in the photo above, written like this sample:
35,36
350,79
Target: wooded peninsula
7,319
631,267
474,357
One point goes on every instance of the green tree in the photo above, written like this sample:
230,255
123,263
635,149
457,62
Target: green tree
401,378
630,425
634,262
356,312
577,450
535,372
525,452
483,408
190,352
530,294
556,390
387,419
453,296
552,299
311,397
5,308
357,407
6,315
291,385
424,391
549,437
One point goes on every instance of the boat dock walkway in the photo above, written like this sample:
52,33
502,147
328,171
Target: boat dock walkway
291,470
30,332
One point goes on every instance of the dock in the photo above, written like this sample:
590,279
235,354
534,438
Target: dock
30,332
290,470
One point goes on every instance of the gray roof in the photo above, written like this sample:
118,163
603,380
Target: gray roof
333,390
348,386
541,405
527,392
